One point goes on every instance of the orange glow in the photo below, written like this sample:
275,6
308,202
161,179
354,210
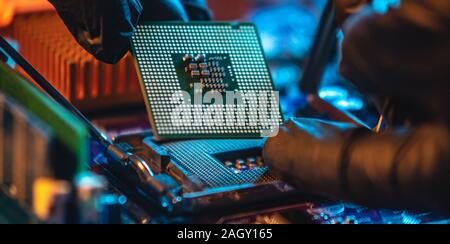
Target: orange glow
8,8
44,192
377,128
141,166
6,13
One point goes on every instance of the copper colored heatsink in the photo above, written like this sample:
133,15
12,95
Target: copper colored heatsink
88,83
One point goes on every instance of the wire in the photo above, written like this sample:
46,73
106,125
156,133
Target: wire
377,128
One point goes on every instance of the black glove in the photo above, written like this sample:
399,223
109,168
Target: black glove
307,153
402,59
104,28
400,168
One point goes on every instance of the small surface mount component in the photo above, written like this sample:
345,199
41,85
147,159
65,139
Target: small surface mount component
208,61
240,165
212,72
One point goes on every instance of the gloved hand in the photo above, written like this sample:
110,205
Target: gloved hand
402,59
104,28
401,168
308,153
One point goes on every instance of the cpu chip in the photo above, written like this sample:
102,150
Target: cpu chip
205,80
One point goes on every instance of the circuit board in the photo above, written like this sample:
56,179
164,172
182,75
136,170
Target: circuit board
205,80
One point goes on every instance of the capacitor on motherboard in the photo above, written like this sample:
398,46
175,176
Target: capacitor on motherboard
195,73
228,164
259,161
240,164
251,163
206,73
193,66
200,58
187,58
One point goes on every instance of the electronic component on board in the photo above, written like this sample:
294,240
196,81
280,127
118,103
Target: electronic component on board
193,66
195,74
187,58
206,73
199,58
38,139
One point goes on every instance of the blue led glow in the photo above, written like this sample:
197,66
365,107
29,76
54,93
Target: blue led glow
269,43
122,200
164,203
288,41
382,6
332,93
178,199
286,75
340,98
351,104
89,180
108,199
291,37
